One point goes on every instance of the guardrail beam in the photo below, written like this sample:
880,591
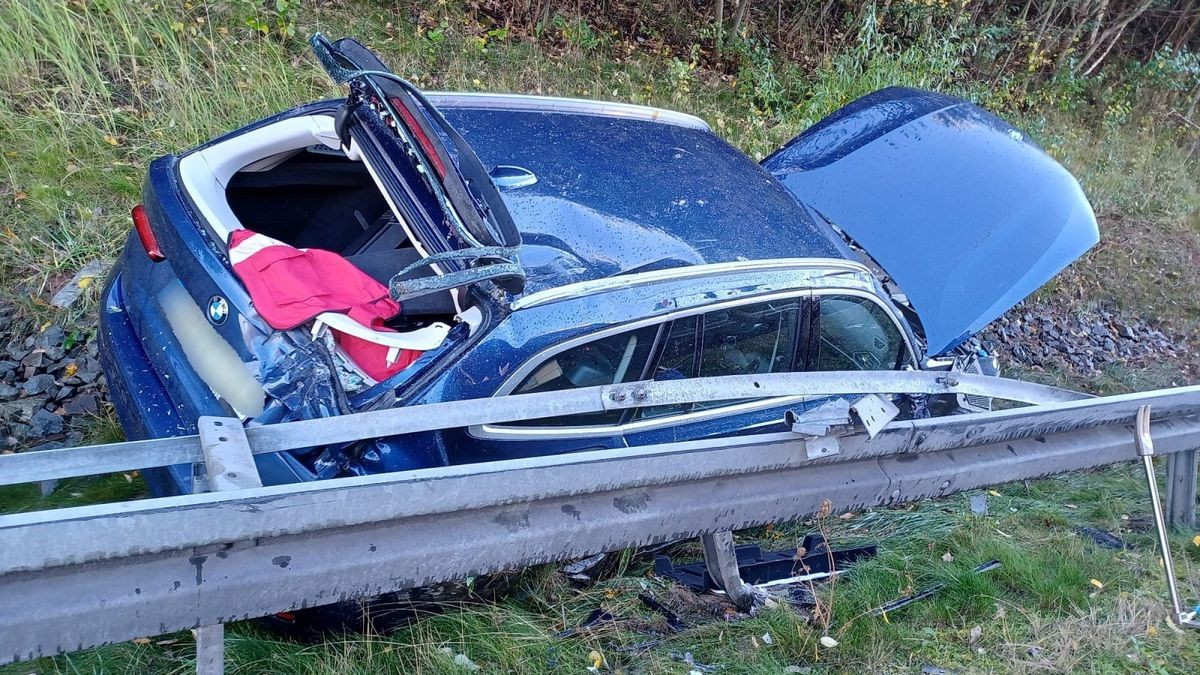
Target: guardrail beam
426,528
83,576
130,455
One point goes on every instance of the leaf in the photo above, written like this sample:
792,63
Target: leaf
596,658
111,140
993,493
975,634
140,641
1097,583
1196,540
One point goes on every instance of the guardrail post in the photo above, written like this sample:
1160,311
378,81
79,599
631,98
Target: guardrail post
229,465
1181,489
721,559
1144,445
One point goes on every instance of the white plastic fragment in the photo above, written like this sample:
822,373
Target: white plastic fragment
84,278
828,642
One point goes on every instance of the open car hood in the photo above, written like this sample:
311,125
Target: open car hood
963,211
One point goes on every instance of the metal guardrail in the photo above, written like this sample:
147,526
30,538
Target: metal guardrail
77,577
67,462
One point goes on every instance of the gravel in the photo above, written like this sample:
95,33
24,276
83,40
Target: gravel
1080,341
50,387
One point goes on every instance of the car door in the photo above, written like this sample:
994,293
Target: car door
831,330
609,357
758,336
767,336
855,331
797,331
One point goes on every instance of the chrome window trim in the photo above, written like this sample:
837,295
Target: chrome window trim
563,104
500,432
584,288
491,431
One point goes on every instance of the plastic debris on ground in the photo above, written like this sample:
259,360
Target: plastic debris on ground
907,600
84,279
596,618
1103,538
461,660
785,574
673,620
689,660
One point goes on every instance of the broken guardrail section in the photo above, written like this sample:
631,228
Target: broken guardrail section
78,577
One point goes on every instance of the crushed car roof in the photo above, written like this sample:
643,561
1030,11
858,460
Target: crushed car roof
616,195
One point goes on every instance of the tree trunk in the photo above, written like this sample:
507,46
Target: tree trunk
720,11
1099,18
1067,41
1112,36
743,5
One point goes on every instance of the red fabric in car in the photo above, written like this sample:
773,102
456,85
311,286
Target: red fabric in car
290,286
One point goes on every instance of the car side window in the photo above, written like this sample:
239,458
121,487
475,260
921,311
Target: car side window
676,361
745,340
608,360
750,340
855,333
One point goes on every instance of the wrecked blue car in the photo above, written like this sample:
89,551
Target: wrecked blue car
398,248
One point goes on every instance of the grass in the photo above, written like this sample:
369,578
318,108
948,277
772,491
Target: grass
91,91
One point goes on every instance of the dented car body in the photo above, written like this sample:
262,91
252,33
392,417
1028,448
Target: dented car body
537,244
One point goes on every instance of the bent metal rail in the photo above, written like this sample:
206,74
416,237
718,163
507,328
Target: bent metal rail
78,577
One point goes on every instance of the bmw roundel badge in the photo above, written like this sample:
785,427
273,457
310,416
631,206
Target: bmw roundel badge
218,310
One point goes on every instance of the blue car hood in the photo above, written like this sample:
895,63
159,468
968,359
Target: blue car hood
962,210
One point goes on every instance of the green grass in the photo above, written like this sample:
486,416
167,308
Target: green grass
92,91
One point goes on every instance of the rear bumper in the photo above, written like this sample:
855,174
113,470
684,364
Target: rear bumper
150,405
142,404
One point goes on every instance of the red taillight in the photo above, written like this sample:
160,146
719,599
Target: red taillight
142,224
422,139
286,616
